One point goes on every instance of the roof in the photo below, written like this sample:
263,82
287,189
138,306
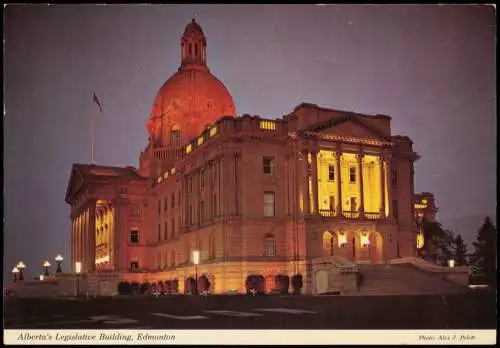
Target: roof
126,173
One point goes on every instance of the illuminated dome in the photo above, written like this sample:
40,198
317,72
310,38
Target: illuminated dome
191,99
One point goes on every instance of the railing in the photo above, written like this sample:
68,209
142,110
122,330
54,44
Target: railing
372,215
328,213
350,214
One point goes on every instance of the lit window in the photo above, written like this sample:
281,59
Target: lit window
354,204
134,265
213,131
269,246
267,125
200,141
189,148
331,172
327,244
134,236
365,240
268,165
269,204
420,240
342,239
352,175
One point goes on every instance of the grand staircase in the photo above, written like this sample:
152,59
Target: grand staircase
403,279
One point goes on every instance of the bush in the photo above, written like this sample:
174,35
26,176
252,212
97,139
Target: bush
135,287
167,284
297,284
124,288
144,289
174,286
189,285
282,283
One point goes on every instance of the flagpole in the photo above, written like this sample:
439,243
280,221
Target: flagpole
92,134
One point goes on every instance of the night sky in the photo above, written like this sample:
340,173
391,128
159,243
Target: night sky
431,68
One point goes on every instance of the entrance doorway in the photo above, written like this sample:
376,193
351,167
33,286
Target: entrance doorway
321,281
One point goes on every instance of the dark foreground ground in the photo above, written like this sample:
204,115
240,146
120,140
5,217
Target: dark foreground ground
462,311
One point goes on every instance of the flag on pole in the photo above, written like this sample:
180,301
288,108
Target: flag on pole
96,100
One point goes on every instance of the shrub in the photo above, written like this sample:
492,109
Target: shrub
297,284
135,287
124,288
282,283
255,283
167,284
189,285
144,289
174,286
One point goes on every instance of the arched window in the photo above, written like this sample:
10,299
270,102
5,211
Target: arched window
269,245
327,244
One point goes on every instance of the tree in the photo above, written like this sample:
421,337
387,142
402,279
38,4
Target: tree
438,243
483,259
460,251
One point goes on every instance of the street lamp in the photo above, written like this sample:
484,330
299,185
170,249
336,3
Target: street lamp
451,263
59,259
21,266
196,261
15,271
46,265
78,269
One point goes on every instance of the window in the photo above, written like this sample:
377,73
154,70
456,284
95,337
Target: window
268,125
173,259
269,204
190,184
173,227
175,137
134,265
268,165
195,49
395,209
190,215
211,248
332,203
331,172
214,205
134,236
173,200
352,175
327,244
202,179
202,211
136,210
165,260
165,204
190,49
159,207
354,204
269,246
165,231
394,177
159,232
158,261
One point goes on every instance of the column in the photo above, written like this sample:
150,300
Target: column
389,186
80,240
382,186
338,155
236,186
85,240
361,209
92,238
73,239
305,181
314,180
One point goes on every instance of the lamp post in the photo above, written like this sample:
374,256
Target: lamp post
15,271
59,259
21,266
196,261
78,269
46,266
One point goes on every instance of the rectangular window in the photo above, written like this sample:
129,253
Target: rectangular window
202,211
165,231
134,265
202,179
395,209
332,203
331,172
165,204
269,204
268,165
175,137
159,232
190,184
354,204
159,207
352,175
134,236
173,227
394,177
173,200
136,210
267,125
190,215
214,205
165,259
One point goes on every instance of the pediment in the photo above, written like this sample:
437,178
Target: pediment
76,181
350,125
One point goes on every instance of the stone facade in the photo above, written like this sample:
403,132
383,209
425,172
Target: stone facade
253,195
